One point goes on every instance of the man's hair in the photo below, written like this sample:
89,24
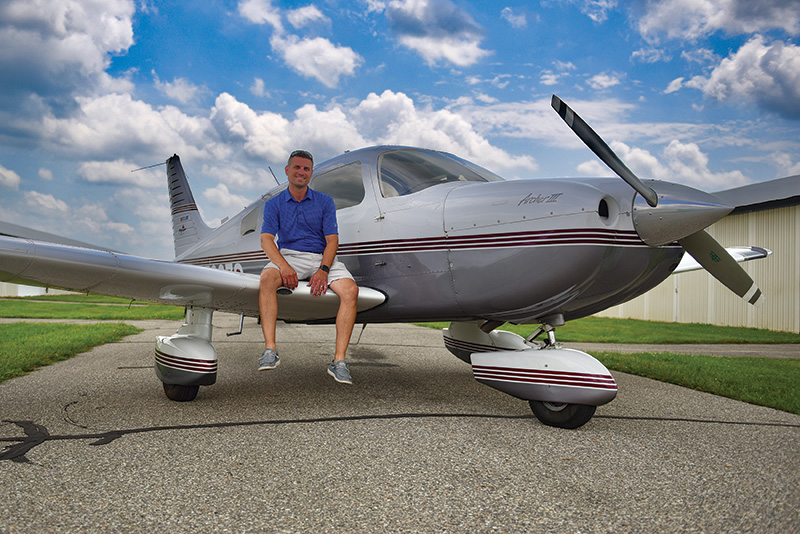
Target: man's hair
301,154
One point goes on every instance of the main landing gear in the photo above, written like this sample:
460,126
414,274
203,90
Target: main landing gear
562,386
187,360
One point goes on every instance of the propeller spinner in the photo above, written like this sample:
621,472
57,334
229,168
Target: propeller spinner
670,212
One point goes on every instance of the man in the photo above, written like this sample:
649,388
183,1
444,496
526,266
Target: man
308,238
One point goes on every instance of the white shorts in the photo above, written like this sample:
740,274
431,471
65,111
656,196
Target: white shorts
307,263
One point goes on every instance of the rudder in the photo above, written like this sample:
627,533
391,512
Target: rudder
188,227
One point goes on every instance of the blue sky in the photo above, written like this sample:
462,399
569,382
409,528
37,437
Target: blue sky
700,92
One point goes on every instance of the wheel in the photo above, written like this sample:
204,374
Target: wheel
562,415
180,393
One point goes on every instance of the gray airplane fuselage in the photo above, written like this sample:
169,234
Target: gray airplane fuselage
465,245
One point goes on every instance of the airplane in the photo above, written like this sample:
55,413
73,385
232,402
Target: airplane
429,237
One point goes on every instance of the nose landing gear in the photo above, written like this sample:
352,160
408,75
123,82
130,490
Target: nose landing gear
563,386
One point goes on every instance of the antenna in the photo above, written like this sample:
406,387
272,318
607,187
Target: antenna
273,175
149,167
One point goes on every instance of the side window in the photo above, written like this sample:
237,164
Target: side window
344,184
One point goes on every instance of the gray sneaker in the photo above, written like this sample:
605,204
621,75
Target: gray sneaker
340,372
269,360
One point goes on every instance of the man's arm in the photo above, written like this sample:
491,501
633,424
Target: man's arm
288,274
319,280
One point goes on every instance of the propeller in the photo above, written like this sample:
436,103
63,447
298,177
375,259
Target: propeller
674,213
603,151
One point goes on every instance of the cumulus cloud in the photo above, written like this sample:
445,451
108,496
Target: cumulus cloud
516,21
386,118
152,211
317,58
437,30
240,176
689,165
674,85
222,197
650,55
393,118
258,88
9,179
179,89
261,12
270,137
692,19
306,16
49,47
118,124
44,203
682,163
597,10
45,174
768,74
260,135
119,171
603,81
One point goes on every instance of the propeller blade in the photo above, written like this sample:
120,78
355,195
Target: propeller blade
603,151
721,265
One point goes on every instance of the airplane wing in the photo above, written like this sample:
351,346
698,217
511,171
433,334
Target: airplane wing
740,254
41,263
14,230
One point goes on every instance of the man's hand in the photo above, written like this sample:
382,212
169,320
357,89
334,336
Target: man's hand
318,283
289,277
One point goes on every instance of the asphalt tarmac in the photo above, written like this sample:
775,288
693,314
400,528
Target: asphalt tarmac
415,445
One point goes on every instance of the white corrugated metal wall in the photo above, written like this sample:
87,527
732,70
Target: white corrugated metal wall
696,297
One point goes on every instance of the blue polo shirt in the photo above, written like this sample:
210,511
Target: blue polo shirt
301,226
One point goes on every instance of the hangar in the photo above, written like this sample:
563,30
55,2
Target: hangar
768,216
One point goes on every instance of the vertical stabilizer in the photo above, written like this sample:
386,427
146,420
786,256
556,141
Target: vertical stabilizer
188,227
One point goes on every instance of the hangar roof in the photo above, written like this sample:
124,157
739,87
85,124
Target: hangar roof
763,195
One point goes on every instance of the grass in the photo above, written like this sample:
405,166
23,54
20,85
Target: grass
25,347
606,330
771,382
94,307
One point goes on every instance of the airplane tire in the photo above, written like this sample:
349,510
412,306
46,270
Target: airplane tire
562,415
180,393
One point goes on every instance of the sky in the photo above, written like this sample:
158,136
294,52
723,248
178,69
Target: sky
699,92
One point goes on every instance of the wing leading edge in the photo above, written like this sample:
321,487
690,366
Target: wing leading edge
25,261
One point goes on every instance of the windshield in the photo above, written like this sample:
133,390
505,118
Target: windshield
403,172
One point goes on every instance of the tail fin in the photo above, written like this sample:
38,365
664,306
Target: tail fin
188,227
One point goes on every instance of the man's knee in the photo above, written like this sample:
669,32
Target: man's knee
270,279
347,290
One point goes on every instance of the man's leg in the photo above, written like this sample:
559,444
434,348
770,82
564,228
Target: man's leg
347,290
268,304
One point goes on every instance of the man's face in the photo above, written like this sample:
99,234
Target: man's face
299,171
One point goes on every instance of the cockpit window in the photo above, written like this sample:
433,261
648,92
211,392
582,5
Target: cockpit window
344,184
403,172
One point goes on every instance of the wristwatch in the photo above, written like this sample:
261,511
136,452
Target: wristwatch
325,268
